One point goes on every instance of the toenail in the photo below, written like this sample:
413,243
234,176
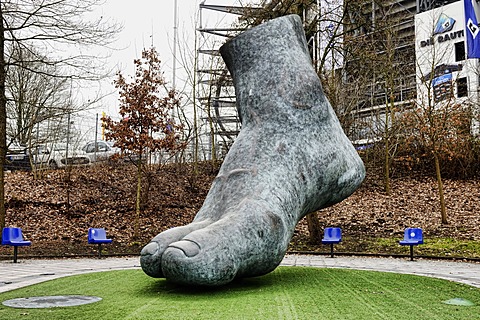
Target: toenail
149,249
189,248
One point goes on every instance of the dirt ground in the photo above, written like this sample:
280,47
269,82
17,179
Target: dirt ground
56,210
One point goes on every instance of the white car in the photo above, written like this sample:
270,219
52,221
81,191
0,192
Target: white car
60,156
47,157
90,153
57,157
43,156
40,157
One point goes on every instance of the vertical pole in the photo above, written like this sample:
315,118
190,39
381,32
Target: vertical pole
36,154
175,35
96,143
15,253
175,31
331,250
411,253
67,163
68,138
103,126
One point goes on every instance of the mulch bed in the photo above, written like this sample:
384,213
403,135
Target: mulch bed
56,210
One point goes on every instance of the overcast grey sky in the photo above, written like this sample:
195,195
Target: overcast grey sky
141,21
148,22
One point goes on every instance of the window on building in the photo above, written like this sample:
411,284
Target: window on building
462,87
460,51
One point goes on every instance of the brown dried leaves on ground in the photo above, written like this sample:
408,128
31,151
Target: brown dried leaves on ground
55,212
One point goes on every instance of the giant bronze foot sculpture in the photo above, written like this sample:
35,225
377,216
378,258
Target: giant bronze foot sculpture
290,158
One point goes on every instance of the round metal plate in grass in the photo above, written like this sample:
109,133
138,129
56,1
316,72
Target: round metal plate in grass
50,301
459,302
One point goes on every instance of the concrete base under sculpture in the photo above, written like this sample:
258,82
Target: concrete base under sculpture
290,158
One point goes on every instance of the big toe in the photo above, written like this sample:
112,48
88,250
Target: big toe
151,254
187,262
190,248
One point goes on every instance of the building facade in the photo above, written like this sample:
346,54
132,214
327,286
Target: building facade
444,73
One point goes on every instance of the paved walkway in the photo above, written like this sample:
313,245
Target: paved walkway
28,272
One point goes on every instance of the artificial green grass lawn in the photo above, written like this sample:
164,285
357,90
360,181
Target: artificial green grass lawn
286,293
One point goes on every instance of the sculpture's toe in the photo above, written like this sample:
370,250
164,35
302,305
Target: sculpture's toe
190,248
151,254
151,261
184,262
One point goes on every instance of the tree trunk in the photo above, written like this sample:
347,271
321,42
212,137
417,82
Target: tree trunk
147,178
314,228
443,209
387,157
136,227
387,168
194,105
389,117
3,123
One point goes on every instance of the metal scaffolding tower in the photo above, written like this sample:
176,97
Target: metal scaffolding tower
216,92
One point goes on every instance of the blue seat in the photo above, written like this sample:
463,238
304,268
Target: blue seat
14,237
98,236
412,237
332,236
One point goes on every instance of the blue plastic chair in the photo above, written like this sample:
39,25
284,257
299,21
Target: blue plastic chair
98,236
332,236
14,237
412,237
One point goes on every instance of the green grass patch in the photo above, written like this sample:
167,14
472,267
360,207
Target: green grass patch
438,247
453,247
434,247
286,293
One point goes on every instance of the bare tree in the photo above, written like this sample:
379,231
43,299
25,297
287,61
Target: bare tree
438,124
58,29
380,53
34,97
